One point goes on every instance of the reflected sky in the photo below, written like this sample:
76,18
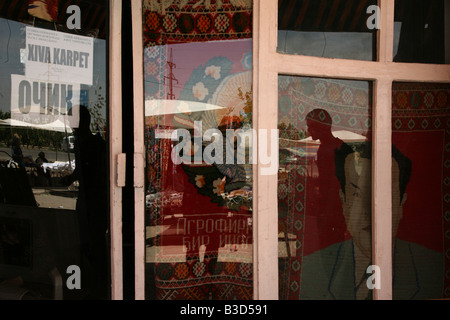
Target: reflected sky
342,45
346,45
12,41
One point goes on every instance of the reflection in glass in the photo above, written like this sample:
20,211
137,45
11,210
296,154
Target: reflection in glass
324,188
330,29
419,190
198,110
421,31
53,155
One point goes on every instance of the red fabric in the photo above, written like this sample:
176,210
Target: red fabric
422,211
324,221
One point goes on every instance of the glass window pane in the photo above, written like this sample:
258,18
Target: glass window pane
53,149
421,31
198,110
328,28
324,188
421,229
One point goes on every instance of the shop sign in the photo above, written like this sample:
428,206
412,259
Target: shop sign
58,56
38,101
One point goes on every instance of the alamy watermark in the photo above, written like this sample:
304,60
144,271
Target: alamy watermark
74,280
374,280
373,22
74,21
241,146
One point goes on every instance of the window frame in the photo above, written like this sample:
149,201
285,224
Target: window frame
116,165
117,169
139,149
267,66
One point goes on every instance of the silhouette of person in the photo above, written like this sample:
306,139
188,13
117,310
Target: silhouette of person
17,154
324,202
40,160
92,203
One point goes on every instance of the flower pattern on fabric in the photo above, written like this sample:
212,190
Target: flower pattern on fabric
204,23
213,71
200,91
199,181
181,271
222,23
219,186
152,21
199,269
170,22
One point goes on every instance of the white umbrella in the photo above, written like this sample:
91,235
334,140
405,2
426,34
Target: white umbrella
56,125
157,107
14,123
344,135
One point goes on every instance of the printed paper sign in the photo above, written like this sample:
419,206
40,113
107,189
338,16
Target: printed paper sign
40,102
59,57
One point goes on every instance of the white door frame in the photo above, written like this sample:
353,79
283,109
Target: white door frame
117,159
268,64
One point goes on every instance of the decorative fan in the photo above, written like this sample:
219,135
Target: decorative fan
228,96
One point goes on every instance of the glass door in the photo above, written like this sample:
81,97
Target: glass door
348,229
195,221
329,96
54,150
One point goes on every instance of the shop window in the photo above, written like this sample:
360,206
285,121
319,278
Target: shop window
328,28
420,213
421,31
324,188
53,150
198,114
